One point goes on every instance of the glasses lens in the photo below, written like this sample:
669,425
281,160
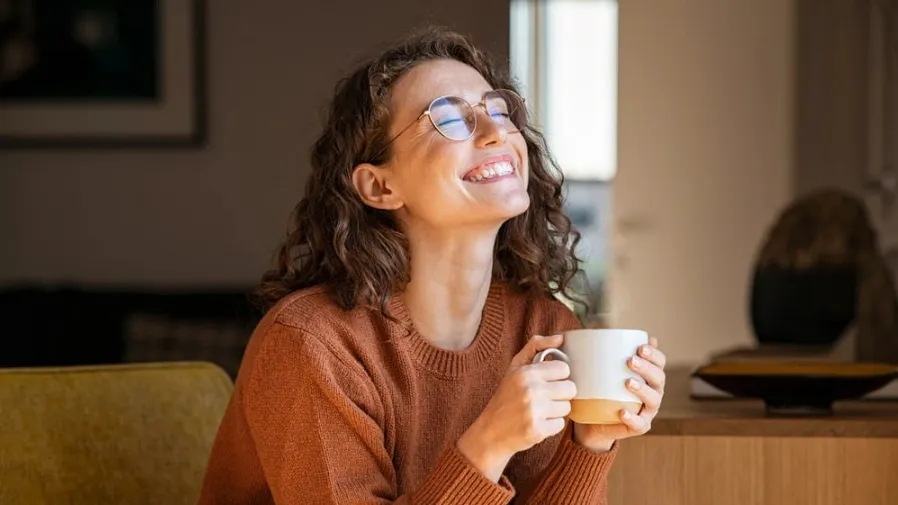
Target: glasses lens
453,116
507,109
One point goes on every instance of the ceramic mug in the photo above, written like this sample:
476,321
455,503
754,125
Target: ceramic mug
598,362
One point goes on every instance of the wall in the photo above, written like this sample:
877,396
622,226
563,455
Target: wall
832,72
705,154
212,216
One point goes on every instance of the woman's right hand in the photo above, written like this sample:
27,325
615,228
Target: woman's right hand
528,407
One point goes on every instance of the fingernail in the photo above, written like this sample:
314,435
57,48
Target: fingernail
637,362
627,414
646,350
634,384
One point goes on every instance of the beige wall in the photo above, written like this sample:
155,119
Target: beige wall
210,216
705,162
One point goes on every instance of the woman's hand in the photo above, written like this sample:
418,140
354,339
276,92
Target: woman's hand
529,406
649,363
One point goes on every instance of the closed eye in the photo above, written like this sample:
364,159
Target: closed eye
450,122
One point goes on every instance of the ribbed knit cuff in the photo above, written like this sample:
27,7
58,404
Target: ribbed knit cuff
455,481
576,475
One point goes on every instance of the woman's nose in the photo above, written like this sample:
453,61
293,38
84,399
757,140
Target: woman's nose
488,132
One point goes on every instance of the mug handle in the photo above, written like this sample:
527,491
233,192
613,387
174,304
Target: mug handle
542,355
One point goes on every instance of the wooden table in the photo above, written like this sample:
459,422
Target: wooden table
729,452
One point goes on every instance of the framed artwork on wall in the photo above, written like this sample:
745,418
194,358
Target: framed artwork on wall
102,73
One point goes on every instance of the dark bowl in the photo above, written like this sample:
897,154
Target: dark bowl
798,388
802,307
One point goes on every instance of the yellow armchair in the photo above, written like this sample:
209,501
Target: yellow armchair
117,434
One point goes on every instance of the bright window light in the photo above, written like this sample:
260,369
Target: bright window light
564,53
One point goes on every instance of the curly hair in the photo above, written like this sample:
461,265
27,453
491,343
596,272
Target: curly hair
360,253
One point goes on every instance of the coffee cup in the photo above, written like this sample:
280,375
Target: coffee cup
598,362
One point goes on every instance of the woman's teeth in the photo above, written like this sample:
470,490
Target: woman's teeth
490,171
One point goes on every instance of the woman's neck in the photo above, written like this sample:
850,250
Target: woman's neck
448,287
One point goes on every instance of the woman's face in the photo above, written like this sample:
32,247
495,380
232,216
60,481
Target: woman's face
437,182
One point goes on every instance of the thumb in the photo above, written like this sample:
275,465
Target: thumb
533,346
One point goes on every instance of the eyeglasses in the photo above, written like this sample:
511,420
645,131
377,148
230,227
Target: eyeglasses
456,119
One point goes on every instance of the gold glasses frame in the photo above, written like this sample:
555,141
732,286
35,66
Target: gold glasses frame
474,107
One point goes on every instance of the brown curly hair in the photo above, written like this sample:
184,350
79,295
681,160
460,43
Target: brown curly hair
359,253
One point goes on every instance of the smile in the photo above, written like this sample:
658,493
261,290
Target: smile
492,170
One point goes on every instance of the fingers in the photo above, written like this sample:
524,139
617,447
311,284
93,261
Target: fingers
536,344
561,390
631,425
541,343
555,426
651,399
653,375
652,354
558,409
549,371
637,424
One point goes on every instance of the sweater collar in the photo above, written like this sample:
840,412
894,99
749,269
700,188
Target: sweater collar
446,362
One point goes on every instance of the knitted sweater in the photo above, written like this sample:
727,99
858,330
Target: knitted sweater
338,407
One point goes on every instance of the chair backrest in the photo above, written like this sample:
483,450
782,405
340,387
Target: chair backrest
117,434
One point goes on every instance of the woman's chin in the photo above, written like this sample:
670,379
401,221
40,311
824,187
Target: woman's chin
493,208
510,207
518,206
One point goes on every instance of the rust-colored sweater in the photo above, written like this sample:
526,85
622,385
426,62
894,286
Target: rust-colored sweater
337,408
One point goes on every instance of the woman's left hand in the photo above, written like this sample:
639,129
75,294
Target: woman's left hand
649,363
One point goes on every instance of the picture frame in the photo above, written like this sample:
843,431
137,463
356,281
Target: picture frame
107,73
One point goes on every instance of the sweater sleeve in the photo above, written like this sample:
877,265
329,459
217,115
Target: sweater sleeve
314,419
575,475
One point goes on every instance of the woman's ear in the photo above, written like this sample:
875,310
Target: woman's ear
374,186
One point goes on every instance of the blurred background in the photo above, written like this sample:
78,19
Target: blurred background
153,149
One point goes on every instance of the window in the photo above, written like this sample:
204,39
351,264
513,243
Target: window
564,53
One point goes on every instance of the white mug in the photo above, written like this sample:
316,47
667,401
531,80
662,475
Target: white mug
598,362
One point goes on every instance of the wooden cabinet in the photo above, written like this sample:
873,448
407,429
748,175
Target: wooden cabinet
728,452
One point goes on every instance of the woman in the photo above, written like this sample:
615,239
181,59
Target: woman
393,364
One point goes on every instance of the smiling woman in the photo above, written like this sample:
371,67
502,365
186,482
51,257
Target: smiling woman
448,197
408,172
395,363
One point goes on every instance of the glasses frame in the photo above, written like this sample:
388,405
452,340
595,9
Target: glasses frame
481,104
